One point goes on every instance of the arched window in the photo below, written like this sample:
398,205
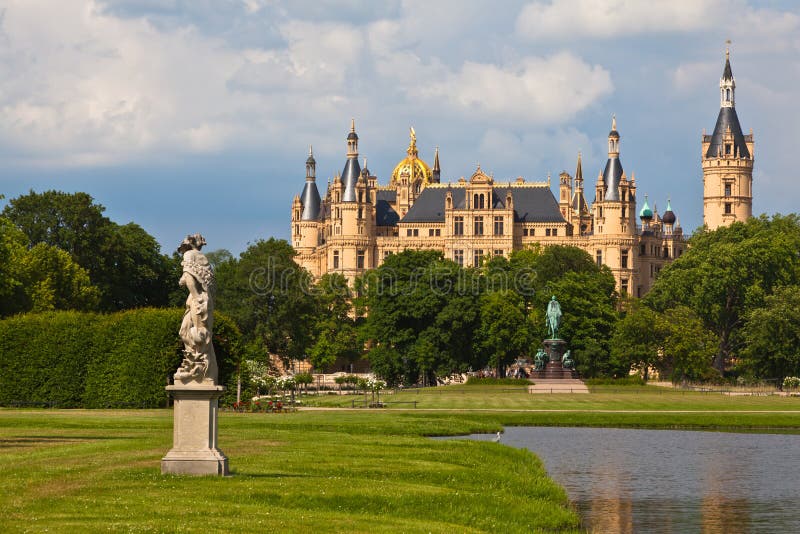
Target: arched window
727,95
480,206
475,201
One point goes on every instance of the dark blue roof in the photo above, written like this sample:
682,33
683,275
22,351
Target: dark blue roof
612,175
727,118
310,201
384,212
531,204
350,174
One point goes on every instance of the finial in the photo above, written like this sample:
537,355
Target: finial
613,121
413,136
365,162
727,49
310,150
548,178
353,125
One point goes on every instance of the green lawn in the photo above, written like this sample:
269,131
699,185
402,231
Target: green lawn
365,470
77,471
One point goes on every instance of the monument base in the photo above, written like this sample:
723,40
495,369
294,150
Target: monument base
195,426
554,370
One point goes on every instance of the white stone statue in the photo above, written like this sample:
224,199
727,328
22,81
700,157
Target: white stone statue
199,361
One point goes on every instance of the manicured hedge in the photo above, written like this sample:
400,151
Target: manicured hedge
489,381
88,360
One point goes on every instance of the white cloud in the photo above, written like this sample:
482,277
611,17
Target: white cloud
570,19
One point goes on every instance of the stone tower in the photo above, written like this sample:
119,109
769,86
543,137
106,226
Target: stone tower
727,159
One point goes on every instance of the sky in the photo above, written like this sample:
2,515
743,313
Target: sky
192,116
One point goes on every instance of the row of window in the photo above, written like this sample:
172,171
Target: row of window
477,255
477,227
548,232
360,257
432,232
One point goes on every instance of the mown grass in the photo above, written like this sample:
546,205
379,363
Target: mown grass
80,471
601,398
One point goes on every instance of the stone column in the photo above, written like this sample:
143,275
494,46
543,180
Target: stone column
194,450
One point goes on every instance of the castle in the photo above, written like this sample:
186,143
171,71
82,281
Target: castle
359,222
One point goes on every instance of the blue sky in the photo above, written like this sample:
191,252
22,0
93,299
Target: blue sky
196,115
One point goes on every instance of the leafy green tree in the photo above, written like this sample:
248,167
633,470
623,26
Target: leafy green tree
504,332
124,262
728,272
638,339
52,281
12,247
270,298
772,336
689,347
335,329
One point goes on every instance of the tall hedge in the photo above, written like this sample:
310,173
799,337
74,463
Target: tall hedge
73,360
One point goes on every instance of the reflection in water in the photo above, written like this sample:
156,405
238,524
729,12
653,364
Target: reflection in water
625,480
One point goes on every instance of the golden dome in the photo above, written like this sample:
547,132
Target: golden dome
411,166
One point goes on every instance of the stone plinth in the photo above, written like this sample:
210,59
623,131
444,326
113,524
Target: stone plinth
555,349
194,448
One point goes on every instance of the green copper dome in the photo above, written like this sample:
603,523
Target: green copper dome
646,213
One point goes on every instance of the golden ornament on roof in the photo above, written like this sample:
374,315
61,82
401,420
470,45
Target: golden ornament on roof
412,166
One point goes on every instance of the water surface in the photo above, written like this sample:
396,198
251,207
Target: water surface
630,480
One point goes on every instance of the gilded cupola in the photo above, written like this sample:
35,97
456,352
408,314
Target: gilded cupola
412,168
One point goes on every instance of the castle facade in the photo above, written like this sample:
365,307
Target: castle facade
358,222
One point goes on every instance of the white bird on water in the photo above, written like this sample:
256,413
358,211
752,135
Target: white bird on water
497,438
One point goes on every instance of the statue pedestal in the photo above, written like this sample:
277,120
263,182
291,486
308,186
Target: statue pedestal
554,369
194,448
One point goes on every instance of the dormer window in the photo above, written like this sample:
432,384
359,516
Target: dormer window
728,149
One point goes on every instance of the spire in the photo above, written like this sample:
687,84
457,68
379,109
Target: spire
352,141
613,170
310,198
437,171
351,170
727,85
311,165
579,170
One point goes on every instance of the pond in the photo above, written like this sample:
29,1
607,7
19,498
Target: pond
631,480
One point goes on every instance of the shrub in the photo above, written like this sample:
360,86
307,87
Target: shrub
633,380
489,381
791,382
71,359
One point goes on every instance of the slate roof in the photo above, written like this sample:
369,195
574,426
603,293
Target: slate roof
611,175
310,200
350,174
531,204
384,212
727,118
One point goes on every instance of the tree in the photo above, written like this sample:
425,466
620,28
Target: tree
638,339
335,329
12,247
124,262
270,298
689,347
772,336
504,332
728,272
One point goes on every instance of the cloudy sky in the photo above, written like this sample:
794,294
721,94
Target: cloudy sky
196,115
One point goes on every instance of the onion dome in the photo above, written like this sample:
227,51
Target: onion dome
646,214
669,216
412,166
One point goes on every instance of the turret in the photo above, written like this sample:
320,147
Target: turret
351,170
310,196
437,171
613,170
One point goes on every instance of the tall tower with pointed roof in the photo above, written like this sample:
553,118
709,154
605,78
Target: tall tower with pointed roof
727,160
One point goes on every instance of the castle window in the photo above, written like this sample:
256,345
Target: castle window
524,231
728,208
624,286
532,231
727,190
409,233
498,226
360,213
360,259
624,212
600,211
416,232
478,225
599,257
476,259
555,232
335,259
360,199
430,232
642,250
458,257
728,149
727,95
438,232
449,202
458,225
547,232
498,252
480,206
666,252
623,260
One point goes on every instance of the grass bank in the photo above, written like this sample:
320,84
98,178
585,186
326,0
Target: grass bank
77,471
